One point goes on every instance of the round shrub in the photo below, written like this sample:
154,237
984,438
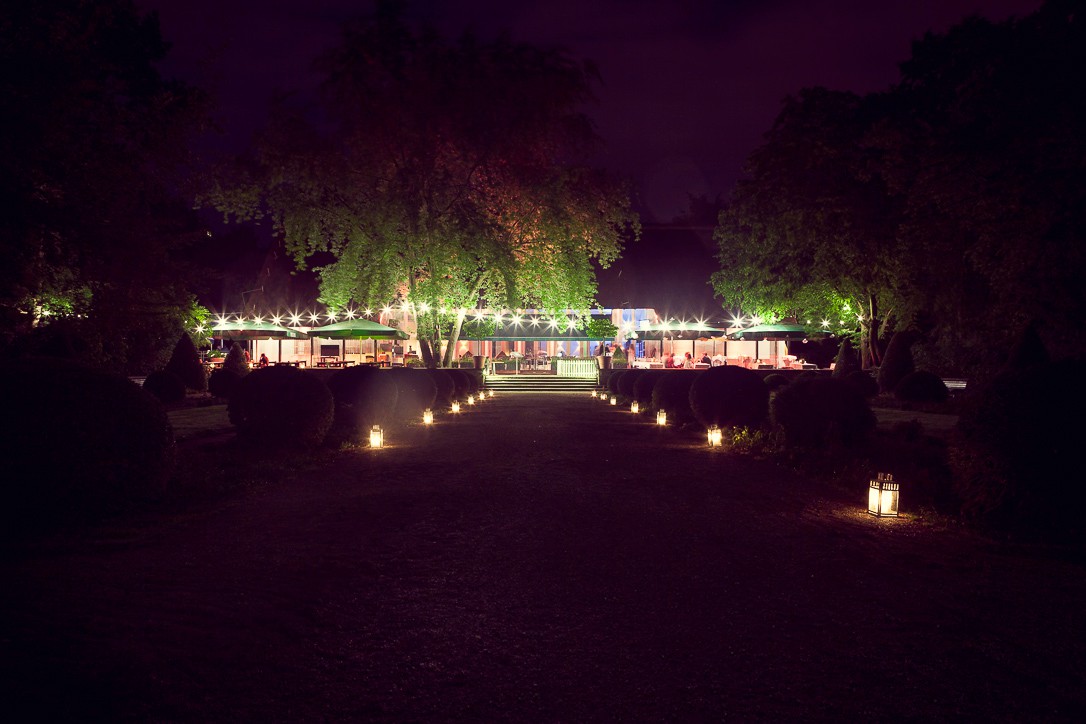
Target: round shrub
863,383
775,382
475,380
1017,456
222,382
81,442
446,388
364,396
281,406
643,386
186,365
613,380
729,396
165,386
627,382
819,412
462,383
415,391
921,386
897,361
672,393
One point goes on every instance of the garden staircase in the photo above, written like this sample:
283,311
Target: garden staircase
539,384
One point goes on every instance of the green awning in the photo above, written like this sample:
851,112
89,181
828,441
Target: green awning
357,329
770,332
253,330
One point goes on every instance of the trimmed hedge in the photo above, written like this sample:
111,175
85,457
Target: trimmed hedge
222,382
81,442
364,396
863,383
614,379
1017,458
775,382
730,396
462,382
281,406
165,386
819,412
416,391
643,386
446,388
672,393
235,361
848,359
897,361
186,365
921,386
627,381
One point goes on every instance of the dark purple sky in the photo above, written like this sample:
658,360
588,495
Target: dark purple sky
689,86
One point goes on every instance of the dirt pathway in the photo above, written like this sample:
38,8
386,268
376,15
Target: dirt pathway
540,559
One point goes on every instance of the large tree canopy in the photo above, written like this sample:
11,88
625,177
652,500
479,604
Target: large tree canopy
444,174
952,202
92,135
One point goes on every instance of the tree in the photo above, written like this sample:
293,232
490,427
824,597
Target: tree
811,232
93,138
445,175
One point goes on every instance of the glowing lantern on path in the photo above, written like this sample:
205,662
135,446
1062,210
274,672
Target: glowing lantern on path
377,438
614,401
661,417
594,393
635,407
427,416
471,399
882,496
456,406
716,436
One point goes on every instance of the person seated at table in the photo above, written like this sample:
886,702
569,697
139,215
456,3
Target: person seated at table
263,360
705,358
688,362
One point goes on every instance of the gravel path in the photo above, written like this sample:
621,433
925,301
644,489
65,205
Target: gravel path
543,558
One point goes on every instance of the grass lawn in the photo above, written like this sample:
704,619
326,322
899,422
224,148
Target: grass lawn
540,558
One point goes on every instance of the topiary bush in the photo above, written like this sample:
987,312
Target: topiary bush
165,386
613,380
848,360
1028,350
820,412
415,392
729,396
863,383
672,393
461,382
81,442
446,388
1017,454
643,386
364,396
627,381
921,386
897,361
222,382
775,382
281,406
185,364
235,361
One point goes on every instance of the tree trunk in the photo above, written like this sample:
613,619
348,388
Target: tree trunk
454,339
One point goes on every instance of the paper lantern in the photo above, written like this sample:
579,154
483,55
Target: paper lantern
377,437
595,394
635,407
471,399
427,416
882,496
456,406
716,436
661,417
614,401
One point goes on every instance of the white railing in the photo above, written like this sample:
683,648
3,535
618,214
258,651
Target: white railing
580,368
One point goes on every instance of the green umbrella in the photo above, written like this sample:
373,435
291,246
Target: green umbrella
253,330
358,329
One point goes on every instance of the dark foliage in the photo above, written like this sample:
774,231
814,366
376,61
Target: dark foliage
416,391
1028,350
235,361
820,412
165,386
446,388
644,385
364,396
1017,459
462,383
627,381
848,360
921,386
775,382
863,383
83,442
222,382
475,380
897,361
672,393
730,396
186,365
281,406
613,380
